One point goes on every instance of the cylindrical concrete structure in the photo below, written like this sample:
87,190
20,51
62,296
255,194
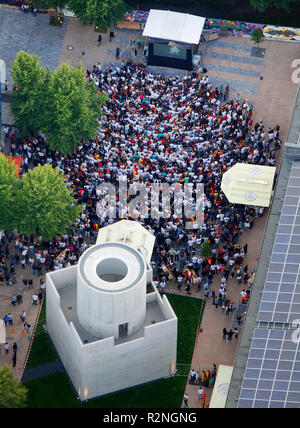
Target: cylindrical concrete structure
111,290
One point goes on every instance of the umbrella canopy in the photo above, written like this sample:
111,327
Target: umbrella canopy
2,332
249,184
129,232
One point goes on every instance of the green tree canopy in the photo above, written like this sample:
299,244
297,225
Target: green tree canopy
205,249
29,101
257,36
262,5
73,109
63,105
8,188
50,4
45,206
103,13
13,394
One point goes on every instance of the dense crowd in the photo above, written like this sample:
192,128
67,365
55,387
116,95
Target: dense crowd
166,130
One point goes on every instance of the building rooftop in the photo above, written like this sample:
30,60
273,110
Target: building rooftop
68,301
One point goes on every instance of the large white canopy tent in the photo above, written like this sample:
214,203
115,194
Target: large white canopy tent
174,26
173,38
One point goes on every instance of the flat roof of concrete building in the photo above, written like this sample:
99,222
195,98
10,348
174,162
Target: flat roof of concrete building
68,304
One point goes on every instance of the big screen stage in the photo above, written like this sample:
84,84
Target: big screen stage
169,54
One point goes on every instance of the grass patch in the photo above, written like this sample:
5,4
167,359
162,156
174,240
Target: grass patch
188,311
55,391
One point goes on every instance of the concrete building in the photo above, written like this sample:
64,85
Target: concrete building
110,326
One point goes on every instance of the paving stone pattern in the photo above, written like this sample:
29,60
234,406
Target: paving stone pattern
33,34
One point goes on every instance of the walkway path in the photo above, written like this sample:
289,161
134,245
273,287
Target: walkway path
44,370
210,347
15,332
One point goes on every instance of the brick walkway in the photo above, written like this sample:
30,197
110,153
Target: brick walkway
33,34
80,44
210,347
16,333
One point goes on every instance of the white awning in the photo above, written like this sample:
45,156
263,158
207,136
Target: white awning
249,184
175,26
221,387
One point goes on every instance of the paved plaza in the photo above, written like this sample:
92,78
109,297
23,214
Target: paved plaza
264,82
33,34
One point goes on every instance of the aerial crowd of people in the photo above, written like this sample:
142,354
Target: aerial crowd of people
155,129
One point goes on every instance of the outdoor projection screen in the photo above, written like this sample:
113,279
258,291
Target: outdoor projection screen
169,51
170,55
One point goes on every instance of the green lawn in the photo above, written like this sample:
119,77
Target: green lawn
55,391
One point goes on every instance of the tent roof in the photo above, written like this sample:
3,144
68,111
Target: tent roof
249,184
220,391
128,232
180,27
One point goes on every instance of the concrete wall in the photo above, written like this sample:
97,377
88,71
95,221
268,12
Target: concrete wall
101,367
102,306
64,336
101,313
107,367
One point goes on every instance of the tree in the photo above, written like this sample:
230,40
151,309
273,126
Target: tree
45,206
29,99
13,394
63,105
205,250
8,187
257,37
50,4
73,109
102,13
262,5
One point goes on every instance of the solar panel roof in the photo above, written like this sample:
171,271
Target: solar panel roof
281,297
272,375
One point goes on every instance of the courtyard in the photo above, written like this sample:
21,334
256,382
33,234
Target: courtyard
228,61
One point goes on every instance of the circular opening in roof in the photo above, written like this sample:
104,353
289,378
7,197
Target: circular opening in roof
111,270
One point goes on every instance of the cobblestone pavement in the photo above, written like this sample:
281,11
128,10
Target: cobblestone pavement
16,332
33,34
81,44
